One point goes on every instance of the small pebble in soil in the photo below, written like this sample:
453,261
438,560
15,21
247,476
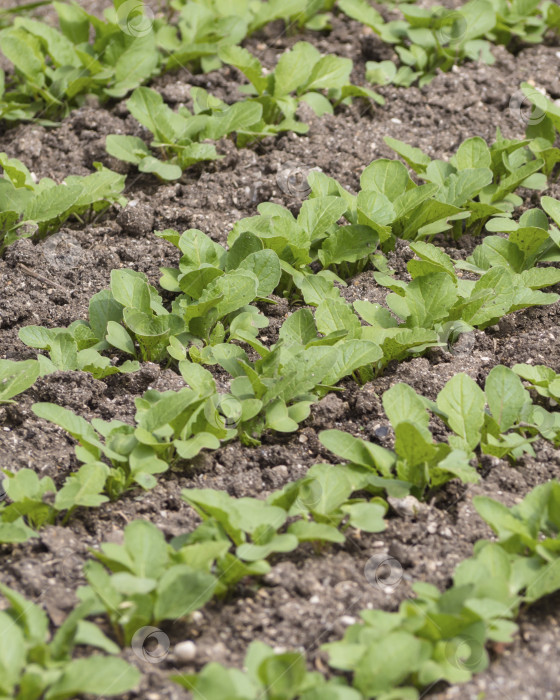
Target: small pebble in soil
185,652
407,507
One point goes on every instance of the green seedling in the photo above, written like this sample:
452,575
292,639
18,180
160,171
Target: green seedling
35,664
38,209
432,637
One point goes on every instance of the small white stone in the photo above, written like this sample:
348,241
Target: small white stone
314,600
197,617
407,507
185,651
396,120
348,620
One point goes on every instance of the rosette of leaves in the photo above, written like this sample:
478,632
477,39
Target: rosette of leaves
179,136
34,663
29,208
301,75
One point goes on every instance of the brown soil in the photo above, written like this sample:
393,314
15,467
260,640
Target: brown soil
310,596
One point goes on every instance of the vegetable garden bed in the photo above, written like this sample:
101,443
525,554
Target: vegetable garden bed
337,307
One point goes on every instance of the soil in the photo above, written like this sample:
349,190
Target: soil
310,596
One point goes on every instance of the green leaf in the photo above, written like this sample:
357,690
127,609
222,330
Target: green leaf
16,377
294,68
299,328
239,117
366,516
329,72
337,315
130,289
278,418
506,396
348,244
282,674
166,409
472,153
100,675
83,488
463,401
53,203
103,307
12,654
366,454
166,171
188,449
248,64
387,177
352,354
146,548
119,338
131,149
264,264
402,403
552,208
278,543
15,532
237,288
64,352
182,590
77,426
416,158
491,298
380,668
309,531
24,51
317,215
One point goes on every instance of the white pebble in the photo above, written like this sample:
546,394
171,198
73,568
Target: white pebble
185,651
197,617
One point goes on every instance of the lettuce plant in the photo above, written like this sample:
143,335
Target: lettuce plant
179,136
56,69
34,663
